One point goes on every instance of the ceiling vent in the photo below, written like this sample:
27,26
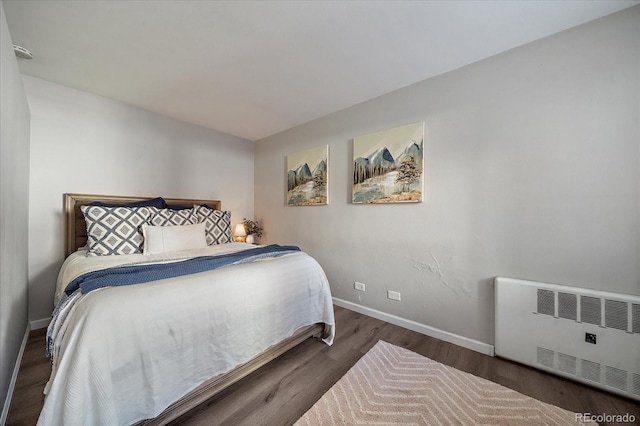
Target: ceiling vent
21,52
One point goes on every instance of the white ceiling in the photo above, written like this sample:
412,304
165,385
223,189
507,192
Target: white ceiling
255,68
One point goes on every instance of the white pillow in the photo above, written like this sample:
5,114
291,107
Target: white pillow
164,239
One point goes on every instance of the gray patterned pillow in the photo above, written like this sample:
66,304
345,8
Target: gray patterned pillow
114,230
217,224
169,217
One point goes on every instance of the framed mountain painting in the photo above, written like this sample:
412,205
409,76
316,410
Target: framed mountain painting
388,166
308,177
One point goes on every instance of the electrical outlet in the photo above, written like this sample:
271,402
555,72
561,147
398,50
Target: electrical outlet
590,338
358,286
393,295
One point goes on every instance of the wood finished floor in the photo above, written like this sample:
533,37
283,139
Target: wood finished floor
280,392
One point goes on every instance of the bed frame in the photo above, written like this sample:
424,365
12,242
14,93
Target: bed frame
76,237
76,227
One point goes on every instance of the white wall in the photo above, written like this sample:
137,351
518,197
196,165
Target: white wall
82,143
14,209
532,171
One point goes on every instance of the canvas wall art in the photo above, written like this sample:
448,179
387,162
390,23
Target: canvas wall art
308,177
388,166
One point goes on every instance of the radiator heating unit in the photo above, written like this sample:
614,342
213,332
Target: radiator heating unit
587,335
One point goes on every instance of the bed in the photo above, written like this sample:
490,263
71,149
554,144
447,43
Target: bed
149,352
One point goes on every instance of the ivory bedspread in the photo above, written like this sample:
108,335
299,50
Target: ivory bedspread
127,353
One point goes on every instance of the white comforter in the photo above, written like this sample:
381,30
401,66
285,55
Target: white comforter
126,353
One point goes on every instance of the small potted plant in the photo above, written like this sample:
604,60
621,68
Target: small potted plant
253,230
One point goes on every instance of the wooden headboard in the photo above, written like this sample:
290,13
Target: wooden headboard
76,227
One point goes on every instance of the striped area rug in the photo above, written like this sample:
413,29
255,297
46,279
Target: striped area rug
392,385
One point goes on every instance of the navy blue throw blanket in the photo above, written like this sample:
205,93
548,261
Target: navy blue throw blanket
135,274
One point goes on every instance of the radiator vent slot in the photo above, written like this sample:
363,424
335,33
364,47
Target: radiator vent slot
635,384
546,302
615,314
615,378
545,357
590,370
635,316
567,363
590,310
568,306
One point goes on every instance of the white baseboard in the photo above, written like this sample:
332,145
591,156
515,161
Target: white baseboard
465,342
41,323
14,378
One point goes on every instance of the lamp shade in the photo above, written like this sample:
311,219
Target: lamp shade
239,230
